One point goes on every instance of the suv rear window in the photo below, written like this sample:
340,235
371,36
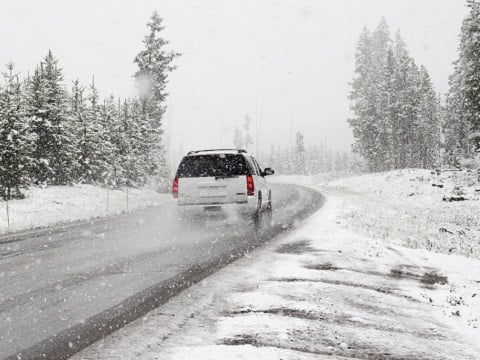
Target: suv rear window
218,165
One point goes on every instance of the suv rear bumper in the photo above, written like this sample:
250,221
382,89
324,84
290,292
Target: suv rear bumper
244,209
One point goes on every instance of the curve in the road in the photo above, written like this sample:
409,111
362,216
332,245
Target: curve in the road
292,203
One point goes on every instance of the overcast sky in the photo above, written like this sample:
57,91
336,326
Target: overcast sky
285,63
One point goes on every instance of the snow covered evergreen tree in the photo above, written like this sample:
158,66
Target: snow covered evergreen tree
462,127
138,131
403,104
110,118
370,96
154,63
16,140
93,140
76,114
41,170
380,50
394,105
47,108
300,165
469,53
456,127
61,148
387,114
361,96
428,120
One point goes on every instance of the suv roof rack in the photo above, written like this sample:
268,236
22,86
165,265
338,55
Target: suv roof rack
216,150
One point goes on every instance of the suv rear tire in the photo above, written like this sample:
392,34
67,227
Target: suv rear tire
262,219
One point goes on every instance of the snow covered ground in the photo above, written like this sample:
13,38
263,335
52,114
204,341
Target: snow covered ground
64,204
414,208
336,286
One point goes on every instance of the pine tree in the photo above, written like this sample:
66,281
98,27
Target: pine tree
154,63
402,105
47,108
56,111
387,115
138,131
462,128
456,126
41,170
369,128
110,118
361,97
16,141
76,115
410,112
428,122
379,98
300,154
132,172
93,140
469,53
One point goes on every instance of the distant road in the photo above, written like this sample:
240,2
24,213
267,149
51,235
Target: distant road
63,290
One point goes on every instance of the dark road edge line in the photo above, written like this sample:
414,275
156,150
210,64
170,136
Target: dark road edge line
72,340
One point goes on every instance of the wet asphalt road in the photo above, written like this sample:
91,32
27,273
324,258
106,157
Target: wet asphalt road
62,290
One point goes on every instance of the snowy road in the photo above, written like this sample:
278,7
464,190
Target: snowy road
318,292
62,291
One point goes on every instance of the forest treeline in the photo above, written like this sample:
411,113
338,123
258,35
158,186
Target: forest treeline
51,135
299,158
399,120
303,159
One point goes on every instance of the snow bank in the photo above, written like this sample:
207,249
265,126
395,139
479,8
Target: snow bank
64,204
415,208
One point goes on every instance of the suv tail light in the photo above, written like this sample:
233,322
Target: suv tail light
250,185
175,188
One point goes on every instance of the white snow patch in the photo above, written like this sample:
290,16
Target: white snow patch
414,208
63,204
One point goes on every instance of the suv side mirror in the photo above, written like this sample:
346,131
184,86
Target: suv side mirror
268,171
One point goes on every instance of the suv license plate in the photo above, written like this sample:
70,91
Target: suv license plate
212,208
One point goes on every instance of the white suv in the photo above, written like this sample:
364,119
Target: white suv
223,180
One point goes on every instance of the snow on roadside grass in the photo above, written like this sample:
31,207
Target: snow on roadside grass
412,208
64,204
320,291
